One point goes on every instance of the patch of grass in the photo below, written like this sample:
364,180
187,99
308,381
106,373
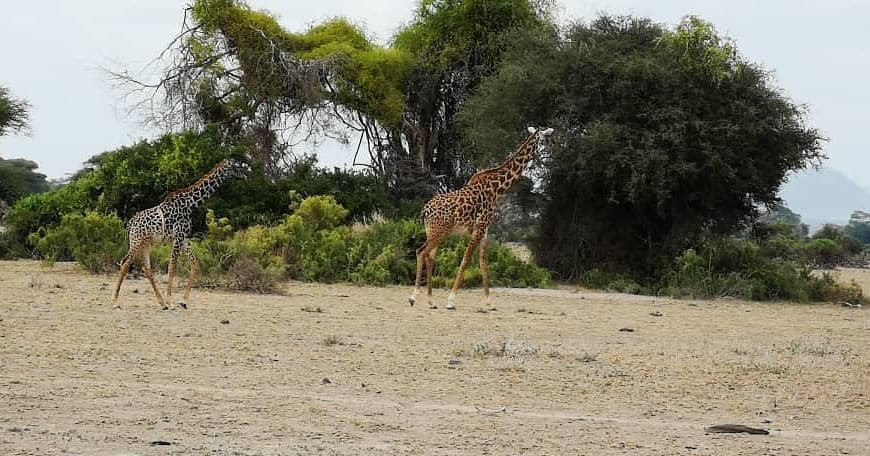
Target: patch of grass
332,340
587,357
810,346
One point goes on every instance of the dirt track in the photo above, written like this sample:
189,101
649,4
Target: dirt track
549,373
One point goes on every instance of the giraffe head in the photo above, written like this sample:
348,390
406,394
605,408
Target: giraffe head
539,138
235,168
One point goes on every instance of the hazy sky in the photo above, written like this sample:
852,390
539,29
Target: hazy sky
52,52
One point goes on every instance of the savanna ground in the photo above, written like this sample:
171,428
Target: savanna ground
345,370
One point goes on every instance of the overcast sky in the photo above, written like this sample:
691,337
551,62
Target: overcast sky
52,52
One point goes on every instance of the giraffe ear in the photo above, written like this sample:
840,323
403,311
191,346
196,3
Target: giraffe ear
532,130
547,132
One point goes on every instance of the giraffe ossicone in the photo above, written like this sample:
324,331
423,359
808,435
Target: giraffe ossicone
171,220
471,208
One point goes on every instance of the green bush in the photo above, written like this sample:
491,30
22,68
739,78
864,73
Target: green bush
741,269
610,281
311,245
96,241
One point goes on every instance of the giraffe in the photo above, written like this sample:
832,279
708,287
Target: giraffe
471,209
171,220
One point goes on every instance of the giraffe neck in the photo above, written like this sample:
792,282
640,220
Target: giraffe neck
203,189
509,172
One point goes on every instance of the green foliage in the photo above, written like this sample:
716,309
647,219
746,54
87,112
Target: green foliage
132,178
369,78
136,177
95,241
778,214
859,227
609,281
321,213
39,212
663,137
740,268
311,245
14,113
18,178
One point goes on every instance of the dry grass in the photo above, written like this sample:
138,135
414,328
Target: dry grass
84,378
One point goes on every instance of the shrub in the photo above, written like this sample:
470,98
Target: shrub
321,212
739,268
96,241
610,281
246,274
310,244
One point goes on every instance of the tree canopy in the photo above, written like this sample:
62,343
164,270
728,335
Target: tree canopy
238,67
665,136
18,177
14,113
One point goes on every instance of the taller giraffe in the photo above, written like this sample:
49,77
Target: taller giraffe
171,220
471,209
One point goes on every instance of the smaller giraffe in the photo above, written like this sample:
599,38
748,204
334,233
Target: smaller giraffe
471,209
171,221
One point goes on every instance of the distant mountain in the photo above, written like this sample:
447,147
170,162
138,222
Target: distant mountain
824,196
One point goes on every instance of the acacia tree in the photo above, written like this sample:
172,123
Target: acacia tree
664,136
239,68
18,177
14,114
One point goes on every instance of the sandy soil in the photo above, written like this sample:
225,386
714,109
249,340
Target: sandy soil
549,373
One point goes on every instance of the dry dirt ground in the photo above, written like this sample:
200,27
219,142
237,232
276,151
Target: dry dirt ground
345,370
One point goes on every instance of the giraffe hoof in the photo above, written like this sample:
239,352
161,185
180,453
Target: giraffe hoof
182,304
411,301
433,306
450,307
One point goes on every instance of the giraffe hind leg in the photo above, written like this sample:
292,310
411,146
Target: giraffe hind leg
484,272
419,269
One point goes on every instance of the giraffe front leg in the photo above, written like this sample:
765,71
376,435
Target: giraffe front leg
430,265
149,273
125,267
472,244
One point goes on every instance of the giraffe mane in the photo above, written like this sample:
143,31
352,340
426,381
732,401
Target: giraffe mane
172,194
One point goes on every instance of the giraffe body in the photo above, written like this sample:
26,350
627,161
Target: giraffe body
471,209
171,220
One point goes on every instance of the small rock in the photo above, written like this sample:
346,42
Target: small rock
135,290
626,330
850,305
325,381
735,429
160,443
454,362
656,314
225,322
766,421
